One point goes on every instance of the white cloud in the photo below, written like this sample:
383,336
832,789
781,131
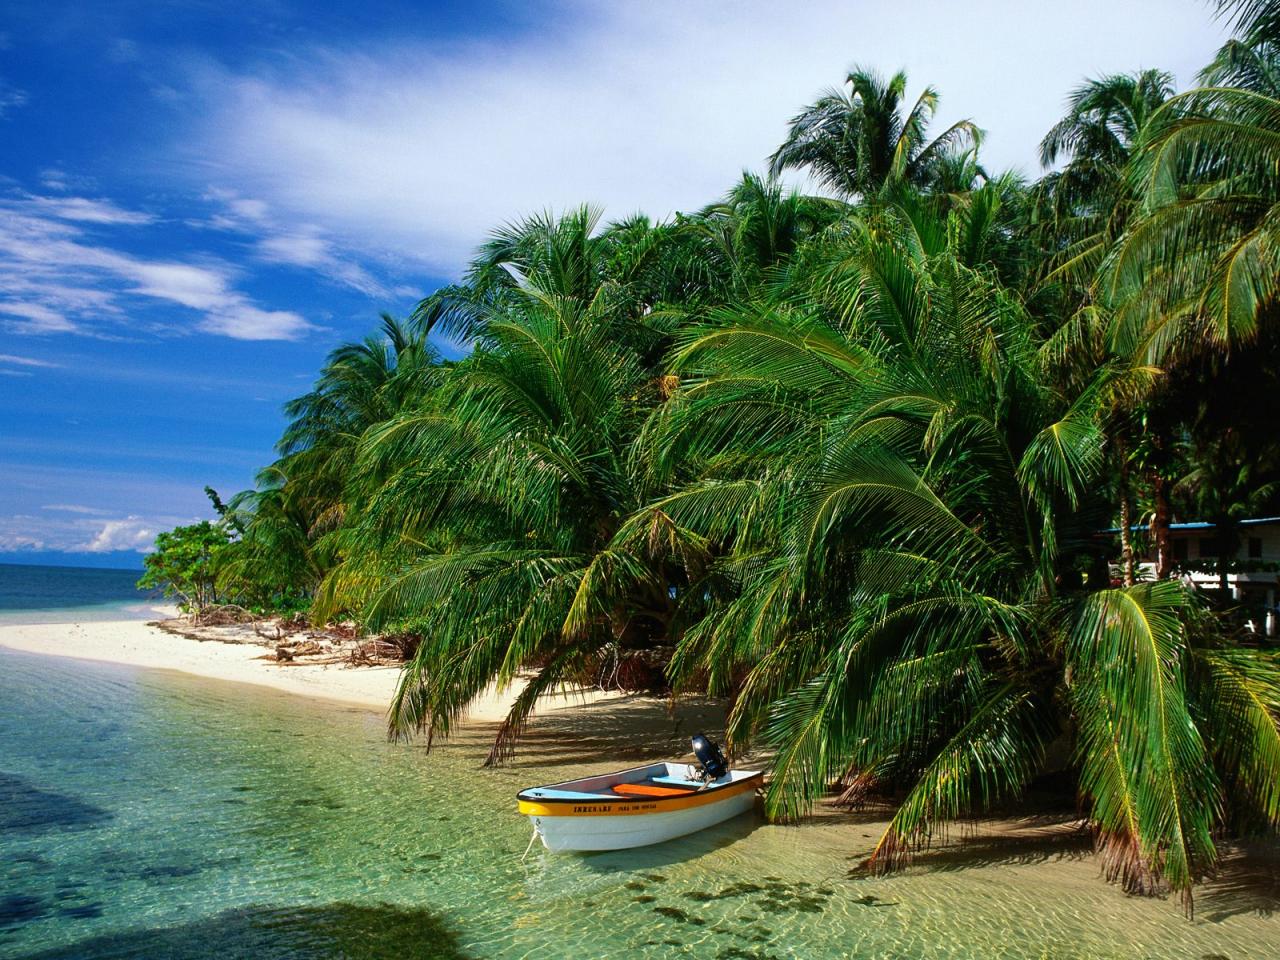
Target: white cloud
298,244
241,320
52,271
421,147
84,532
88,210
54,178
34,317
18,361
11,97
15,542
75,508
131,533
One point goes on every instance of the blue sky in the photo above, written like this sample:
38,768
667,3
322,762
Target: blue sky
199,200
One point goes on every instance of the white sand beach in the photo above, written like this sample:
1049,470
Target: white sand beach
139,644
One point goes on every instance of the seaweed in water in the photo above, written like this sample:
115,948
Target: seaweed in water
675,913
25,808
20,907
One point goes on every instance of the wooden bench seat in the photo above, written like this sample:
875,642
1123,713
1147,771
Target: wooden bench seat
649,790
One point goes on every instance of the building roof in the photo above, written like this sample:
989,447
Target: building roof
1198,525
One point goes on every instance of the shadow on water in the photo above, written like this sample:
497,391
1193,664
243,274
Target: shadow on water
338,931
679,850
26,809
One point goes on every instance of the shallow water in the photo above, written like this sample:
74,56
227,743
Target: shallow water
149,814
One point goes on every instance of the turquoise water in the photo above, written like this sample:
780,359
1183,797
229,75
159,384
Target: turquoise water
152,814
40,594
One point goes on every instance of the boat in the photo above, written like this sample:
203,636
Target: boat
642,805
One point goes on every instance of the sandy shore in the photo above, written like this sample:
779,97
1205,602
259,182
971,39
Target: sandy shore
137,644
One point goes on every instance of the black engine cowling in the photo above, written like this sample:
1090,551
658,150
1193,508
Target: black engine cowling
714,765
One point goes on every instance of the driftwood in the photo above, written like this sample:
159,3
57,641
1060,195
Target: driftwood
293,640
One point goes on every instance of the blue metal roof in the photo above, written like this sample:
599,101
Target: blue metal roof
1197,525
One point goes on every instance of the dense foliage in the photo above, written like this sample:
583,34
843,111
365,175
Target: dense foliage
185,562
844,458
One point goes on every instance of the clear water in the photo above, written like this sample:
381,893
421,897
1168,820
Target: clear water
40,594
151,814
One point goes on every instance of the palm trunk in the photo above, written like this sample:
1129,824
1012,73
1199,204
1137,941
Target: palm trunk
1227,546
1126,533
1160,527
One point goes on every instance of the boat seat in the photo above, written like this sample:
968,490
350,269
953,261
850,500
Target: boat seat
649,790
543,793
678,782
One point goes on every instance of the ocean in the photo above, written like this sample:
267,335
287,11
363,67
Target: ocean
42,594
151,814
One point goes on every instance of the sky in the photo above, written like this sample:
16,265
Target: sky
199,200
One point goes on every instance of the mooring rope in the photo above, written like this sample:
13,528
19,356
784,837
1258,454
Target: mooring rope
530,846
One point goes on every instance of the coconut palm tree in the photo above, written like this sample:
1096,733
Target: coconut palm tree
304,495
1084,206
1250,64
488,508
858,143
896,504
1198,270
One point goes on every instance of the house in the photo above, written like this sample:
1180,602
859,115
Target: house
1253,575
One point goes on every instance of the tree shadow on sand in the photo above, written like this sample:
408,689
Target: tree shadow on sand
1247,881
624,731
339,930
1025,840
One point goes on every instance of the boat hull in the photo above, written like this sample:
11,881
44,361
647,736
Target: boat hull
586,827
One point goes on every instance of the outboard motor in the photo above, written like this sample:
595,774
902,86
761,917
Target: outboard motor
714,765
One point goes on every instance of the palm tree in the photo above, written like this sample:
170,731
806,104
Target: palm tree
1250,64
1085,205
488,508
634,262
858,143
1198,270
896,502
304,495
755,229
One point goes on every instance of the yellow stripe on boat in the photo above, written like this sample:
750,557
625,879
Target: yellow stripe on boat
613,808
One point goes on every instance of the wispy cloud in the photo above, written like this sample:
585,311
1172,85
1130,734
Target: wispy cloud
293,244
11,98
421,146
55,277
76,508
26,361
34,317
88,210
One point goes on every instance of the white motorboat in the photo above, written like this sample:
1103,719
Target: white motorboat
640,806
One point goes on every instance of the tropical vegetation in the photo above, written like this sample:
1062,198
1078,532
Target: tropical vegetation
847,458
